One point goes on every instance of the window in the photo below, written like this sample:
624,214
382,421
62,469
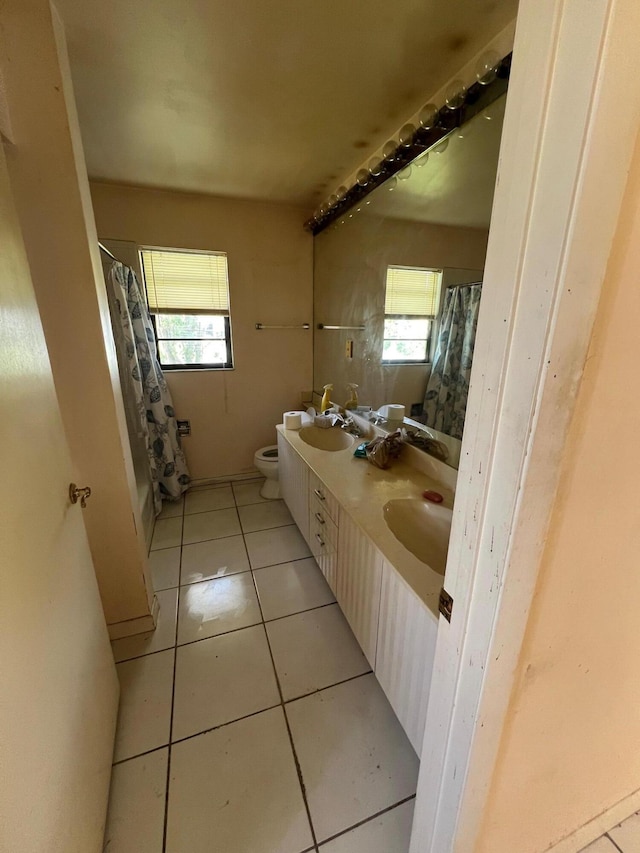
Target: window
188,295
410,307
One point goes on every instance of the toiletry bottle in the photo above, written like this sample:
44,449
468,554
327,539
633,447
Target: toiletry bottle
326,398
352,402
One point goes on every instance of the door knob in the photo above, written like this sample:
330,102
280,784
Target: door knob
79,494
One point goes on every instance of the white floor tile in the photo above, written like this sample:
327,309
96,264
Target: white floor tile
354,756
135,821
601,845
210,525
263,516
167,533
389,833
291,587
165,568
171,509
627,834
146,686
164,636
249,492
235,790
213,558
216,606
222,679
209,499
268,547
313,650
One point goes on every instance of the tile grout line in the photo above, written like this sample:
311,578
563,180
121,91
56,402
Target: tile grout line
368,819
284,712
173,693
282,703
245,716
615,844
223,633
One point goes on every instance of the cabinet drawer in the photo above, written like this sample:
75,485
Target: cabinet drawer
321,522
323,496
324,549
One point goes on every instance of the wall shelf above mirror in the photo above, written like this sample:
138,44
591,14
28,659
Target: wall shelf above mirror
430,224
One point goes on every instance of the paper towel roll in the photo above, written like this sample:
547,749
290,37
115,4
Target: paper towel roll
292,420
395,412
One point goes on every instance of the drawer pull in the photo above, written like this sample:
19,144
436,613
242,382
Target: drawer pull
320,518
319,494
320,540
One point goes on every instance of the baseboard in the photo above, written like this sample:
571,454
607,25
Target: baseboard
140,625
596,827
230,478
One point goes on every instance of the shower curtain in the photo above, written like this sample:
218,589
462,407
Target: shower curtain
169,473
445,400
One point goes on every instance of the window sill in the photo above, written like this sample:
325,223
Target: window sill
197,369
405,364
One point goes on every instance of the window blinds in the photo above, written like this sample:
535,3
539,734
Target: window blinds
186,282
412,291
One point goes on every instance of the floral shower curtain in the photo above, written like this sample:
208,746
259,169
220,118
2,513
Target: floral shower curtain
445,401
169,473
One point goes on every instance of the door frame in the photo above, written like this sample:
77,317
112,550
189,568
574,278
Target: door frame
573,111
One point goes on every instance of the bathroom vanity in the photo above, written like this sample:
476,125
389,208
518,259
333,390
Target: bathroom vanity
388,596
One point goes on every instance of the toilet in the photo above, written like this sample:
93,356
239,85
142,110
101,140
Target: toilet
266,461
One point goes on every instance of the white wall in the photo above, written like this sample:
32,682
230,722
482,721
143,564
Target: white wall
232,413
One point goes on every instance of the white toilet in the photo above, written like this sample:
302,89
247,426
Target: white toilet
266,461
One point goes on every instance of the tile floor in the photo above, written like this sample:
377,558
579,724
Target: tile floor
250,721
623,838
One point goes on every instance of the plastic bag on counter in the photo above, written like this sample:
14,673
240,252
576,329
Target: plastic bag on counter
382,450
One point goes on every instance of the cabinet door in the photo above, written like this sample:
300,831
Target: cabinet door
293,473
406,646
358,584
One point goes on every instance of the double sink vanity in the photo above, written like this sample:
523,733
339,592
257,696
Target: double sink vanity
382,549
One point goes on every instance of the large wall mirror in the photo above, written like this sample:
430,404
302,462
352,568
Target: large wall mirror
402,271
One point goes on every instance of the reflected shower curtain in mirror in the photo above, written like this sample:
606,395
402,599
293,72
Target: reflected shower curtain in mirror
169,473
445,400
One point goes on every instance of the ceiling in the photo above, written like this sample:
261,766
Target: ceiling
455,187
265,100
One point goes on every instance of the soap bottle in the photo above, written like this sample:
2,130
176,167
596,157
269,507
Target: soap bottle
326,398
352,402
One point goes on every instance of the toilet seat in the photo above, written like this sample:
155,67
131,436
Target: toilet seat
268,454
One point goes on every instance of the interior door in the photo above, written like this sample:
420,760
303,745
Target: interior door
59,687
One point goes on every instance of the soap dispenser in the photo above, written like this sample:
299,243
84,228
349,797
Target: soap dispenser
326,398
352,402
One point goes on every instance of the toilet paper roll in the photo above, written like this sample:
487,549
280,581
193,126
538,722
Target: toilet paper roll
395,412
292,420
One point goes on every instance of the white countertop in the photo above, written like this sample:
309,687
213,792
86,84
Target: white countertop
363,490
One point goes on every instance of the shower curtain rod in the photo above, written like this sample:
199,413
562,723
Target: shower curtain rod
462,284
107,252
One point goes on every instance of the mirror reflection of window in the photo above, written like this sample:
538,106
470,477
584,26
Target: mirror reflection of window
412,295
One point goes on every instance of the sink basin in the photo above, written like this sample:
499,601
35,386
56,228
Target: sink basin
422,527
326,439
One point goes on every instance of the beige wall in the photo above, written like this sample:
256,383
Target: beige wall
232,413
59,685
569,749
350,266
51,190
